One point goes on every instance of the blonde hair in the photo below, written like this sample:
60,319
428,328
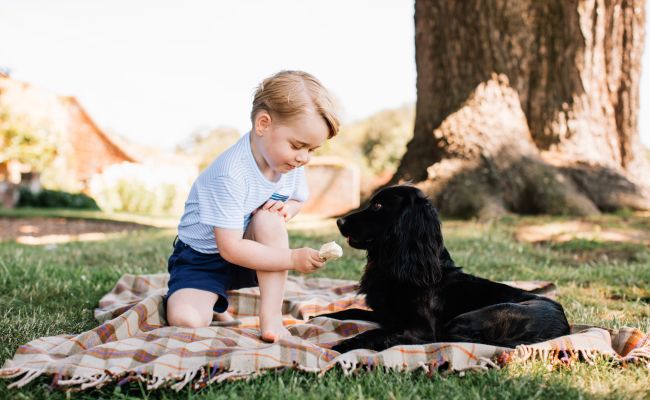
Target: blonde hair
291,93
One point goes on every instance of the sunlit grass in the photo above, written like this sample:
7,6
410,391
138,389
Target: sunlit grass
53,290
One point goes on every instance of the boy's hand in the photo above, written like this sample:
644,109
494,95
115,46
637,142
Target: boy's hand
306,260
275,206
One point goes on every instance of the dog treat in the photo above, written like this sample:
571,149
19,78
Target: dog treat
330,251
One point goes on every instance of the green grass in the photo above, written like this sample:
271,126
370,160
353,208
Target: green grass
53,290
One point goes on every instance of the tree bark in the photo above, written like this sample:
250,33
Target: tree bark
528,106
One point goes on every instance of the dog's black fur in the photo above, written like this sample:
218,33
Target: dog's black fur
417,294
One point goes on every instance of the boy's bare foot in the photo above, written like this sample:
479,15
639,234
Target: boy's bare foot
273,330
223,317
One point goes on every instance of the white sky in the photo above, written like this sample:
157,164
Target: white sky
154,71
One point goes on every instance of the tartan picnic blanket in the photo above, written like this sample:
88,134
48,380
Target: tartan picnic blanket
133,342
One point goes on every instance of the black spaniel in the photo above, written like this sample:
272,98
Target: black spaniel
417,294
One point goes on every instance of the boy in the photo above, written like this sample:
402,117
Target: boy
232,233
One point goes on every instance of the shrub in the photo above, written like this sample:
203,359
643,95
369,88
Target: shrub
376,143
143,189
55,199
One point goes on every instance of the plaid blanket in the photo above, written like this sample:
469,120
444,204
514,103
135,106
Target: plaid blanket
134,343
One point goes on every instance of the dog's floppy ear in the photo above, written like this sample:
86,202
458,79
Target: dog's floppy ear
415,256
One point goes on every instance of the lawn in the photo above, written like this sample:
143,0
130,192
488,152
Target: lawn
51,290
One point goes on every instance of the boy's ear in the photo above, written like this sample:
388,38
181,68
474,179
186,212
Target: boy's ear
262,122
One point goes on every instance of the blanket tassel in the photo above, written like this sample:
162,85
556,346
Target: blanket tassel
156,382
29,376
223,376
73,381
348,366
188,378
638,354
95,382
13,373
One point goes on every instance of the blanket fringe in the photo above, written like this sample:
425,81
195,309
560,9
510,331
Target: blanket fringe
187,378
642,353
9,374
349,364
224,376
30,375
196,378
155,382
74,381
96,381
485,364
524,353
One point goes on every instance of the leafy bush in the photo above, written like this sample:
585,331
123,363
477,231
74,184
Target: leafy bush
27,139
136,197
207,143
376,144
55,199
143,189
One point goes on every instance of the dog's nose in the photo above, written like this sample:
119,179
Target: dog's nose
340,222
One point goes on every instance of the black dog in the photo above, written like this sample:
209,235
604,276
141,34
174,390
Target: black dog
417,294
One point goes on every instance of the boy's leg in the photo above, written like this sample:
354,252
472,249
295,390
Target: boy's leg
190,308
270,229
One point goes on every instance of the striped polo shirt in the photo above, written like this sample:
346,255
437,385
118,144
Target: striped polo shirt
228,191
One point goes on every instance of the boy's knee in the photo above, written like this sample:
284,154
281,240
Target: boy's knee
268,218
187,317
265,223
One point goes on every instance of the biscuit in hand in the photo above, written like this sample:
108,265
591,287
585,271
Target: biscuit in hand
330,251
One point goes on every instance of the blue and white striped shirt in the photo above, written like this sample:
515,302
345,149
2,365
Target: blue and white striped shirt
228,191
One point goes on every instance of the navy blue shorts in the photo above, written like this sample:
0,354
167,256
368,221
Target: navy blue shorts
189,268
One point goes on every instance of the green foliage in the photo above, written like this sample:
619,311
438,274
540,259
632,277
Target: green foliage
58,174
55,199
25,140
134,196
207,144
141,188
376,143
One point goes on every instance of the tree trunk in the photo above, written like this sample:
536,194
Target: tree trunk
528,106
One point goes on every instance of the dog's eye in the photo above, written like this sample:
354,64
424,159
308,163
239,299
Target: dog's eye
375,207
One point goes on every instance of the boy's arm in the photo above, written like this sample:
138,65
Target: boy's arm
293,207
254,255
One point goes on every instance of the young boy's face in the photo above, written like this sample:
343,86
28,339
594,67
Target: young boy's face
288,144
